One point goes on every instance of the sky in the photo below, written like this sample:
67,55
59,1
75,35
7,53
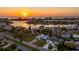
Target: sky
39,11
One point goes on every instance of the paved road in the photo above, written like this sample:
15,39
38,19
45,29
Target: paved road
2,34
22,48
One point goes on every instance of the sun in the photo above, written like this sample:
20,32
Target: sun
24,14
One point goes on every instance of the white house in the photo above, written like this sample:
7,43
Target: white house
42,36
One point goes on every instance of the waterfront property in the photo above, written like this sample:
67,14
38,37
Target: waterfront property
22,36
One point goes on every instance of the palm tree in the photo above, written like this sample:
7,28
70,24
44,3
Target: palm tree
71,36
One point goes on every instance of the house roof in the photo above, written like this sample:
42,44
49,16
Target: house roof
42,37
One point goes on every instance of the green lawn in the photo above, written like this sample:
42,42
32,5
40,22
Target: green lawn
76,38
29,38
40,43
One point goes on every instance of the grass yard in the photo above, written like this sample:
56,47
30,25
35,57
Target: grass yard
40,43
76,38
29,38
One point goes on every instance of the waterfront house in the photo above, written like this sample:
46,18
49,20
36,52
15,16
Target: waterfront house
42,36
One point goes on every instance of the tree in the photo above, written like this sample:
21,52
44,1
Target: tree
50,46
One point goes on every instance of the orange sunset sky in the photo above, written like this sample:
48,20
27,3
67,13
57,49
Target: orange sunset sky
39,11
